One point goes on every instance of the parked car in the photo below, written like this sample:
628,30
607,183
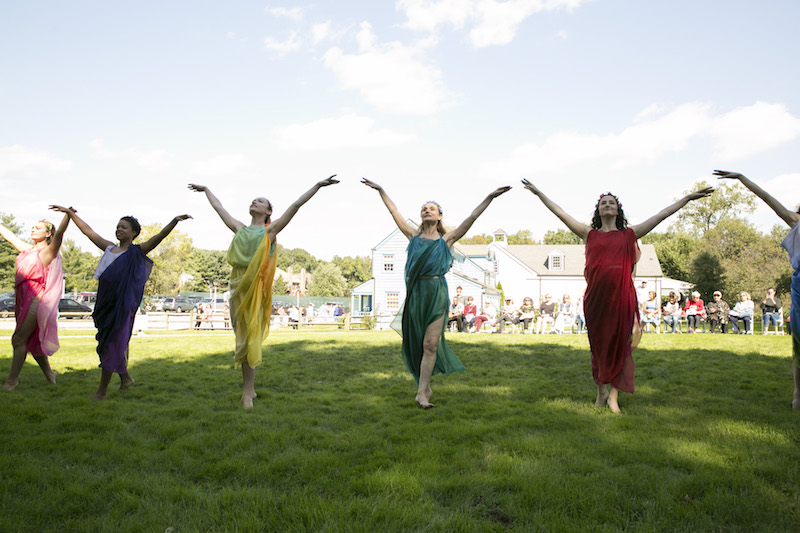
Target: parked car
218,303
75,309
86,298
179,304
7,306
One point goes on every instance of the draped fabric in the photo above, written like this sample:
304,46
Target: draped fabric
791,243
34,279
254,260
426,301
119,292
612,314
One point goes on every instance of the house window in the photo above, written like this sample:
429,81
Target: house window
392,301
388,263
556,262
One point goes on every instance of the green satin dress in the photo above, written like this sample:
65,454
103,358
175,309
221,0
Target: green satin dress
426,301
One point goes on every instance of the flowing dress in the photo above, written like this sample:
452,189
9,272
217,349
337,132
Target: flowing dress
34,279
254,260
426,301
791,243
610,306
121,279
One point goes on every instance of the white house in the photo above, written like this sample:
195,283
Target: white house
523,270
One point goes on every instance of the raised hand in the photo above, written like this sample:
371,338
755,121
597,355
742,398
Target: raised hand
500,190
702,193
62,209
725,175
371,184
197,188
182,217
531,187
329,181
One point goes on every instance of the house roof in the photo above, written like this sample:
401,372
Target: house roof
535,257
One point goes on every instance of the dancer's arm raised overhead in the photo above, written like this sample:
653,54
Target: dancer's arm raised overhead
404,226
96,239
277,226
52,249
156,239
787,215
13,240
578,228
226,217
647,226
452,236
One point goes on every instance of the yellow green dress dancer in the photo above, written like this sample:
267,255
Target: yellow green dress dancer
424,313
253,256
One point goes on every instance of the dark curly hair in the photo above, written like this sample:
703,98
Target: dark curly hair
621,221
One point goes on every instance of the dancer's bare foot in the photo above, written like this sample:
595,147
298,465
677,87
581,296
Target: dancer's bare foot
99,396
612,400
10,384
247,401
423,402
602,396
51,377
125,381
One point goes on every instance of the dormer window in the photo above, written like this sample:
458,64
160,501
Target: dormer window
555,261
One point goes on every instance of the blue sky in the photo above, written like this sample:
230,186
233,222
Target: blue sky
114,107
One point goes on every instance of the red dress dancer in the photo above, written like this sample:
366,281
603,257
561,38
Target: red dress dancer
610,306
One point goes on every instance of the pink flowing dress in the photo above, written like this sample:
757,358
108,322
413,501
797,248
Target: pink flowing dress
32,280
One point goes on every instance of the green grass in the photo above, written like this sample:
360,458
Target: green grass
708,442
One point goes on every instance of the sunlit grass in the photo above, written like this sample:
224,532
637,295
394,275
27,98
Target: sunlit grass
335,443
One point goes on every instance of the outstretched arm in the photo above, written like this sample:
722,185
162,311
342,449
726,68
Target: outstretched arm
578,228
47,255
226,217
404,226
13,240
788,216
96,239
647,226
277,226
452,236
156,239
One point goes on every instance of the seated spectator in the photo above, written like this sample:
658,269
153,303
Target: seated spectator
456,314
672,313
565,316
487,315
717,311
509,314
580,318
547,311
470,312
771,311
526,313
294,316
695,311
743,310
651,312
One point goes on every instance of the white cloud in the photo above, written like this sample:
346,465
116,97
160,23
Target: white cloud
22,161
225,165
657,131
230,35
562,34
320,31
152,160
294,13
492,22
348,131
392,77
294,42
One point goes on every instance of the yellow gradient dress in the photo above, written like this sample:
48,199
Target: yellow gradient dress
253,259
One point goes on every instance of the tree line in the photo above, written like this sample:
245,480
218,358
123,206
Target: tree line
206,269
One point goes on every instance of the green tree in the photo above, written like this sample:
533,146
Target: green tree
170,259
476,239
674,250
356,270
79,267
523,236
209,268
328,281
729,200
706,274
279,286
561,236
8,254
297,258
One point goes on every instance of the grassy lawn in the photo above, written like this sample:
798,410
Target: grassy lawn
335,443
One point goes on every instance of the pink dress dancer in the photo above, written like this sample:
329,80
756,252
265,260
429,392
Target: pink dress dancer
34,279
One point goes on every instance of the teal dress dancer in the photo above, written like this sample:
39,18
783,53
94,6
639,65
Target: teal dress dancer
426,301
